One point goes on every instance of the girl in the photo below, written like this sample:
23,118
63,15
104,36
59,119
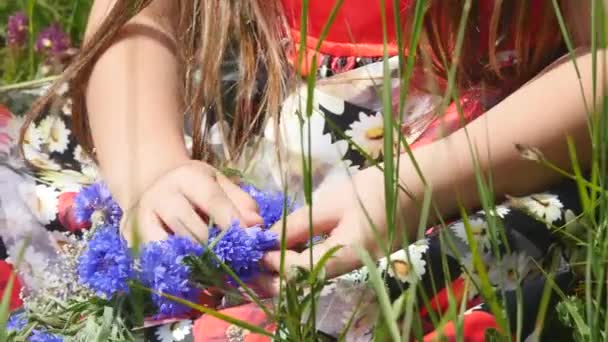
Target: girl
143,66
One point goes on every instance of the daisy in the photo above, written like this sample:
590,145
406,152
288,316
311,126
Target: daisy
407,270
81,156
544,206
55,133
499,211
470,273
174,332
296,103
509,271
38,159
43,203
479,231
66,109
368,133
32,136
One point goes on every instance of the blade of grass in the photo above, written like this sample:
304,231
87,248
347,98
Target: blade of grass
383,298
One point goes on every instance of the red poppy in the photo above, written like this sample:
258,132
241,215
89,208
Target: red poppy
208,328
65,212
5,273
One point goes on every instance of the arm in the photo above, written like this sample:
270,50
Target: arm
133,101
136,119
540,114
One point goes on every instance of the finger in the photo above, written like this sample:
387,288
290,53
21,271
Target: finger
244,203
213,201
342,261
143,228
182,219
298,224
266,285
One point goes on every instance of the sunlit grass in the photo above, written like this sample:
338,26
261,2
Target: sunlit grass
295,309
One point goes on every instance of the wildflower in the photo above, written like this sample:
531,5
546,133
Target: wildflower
271,204
17,29
16,322
53,41
106,265
242,249
163,271
96,199
40,335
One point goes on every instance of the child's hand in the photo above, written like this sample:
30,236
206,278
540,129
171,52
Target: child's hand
183,200
337,211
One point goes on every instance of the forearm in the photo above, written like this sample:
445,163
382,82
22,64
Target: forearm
133,106
541,114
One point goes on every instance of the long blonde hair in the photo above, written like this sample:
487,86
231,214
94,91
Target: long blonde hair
254,32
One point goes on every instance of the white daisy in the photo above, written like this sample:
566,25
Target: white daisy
55,133
174,332
32,135
499,211
39,159
470,273
479,231
407,270
509,271
81,156
368,133
66,109
544,206
43,203
296,102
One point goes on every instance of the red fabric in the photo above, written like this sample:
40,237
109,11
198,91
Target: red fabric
474,328
208,328
5,273
357,29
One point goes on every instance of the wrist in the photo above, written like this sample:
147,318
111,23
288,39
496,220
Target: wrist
128,183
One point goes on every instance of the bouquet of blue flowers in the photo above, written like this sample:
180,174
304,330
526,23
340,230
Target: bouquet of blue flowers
103,290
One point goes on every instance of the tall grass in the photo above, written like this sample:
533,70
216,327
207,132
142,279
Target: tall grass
295,309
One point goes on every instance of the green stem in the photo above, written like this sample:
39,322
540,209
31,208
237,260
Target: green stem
29,84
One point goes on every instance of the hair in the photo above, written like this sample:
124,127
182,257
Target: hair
254,33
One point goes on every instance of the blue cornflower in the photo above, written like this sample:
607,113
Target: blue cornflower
96,198
16,322
264,239
162,270
271,204
40,335
106,265
242,249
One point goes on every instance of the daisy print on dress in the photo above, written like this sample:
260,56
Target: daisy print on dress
499,211
406,268
470,273
55,133
173,332
42,201
479,231
368,134
508,272
545,206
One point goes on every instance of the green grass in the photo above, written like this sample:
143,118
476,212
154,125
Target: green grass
295,309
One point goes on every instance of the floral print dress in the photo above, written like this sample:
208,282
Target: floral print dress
35,198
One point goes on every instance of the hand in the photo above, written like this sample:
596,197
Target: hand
339,210
183,201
